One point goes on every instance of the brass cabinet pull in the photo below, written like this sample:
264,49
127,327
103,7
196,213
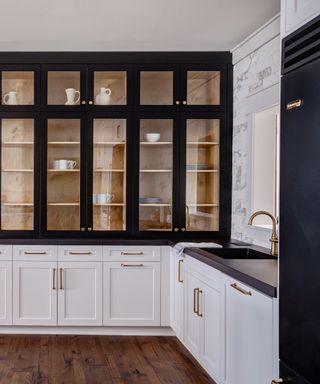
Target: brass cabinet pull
180,279
195,302
131,253
183,229
294,104
61,278
131,265
235,286
89,229
177,102
35,252
184,102
90,102
80,253
54,279
176,229
276,381
199,301
83,102
83,229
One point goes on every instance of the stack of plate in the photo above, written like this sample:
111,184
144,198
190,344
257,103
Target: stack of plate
194,167
150,200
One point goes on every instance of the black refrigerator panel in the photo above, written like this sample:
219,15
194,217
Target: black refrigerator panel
300,222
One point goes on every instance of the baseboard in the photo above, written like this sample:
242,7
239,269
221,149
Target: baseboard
111,331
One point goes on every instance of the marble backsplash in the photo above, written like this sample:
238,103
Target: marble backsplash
254,73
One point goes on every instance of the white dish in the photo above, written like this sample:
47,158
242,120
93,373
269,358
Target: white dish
152,137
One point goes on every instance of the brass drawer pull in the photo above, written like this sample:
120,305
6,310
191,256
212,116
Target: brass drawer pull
131,265
235,286
195,301
61,278
131,253
35,252
54,279
180,279
276,381
80,253
294,104
199,301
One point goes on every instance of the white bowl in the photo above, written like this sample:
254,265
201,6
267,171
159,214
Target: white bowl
152,137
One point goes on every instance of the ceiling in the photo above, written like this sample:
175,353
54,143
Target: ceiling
128,25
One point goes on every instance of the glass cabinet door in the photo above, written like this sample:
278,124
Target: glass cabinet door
17,174
156,174
63,174
64,88
17,88
109,88
202,174
109,174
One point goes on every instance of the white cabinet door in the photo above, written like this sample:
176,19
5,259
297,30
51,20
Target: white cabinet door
192,318
295,13
131,293
177,295
211,338
34,293
5,292
80,293
248,335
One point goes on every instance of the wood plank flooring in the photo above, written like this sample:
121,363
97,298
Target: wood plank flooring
60,359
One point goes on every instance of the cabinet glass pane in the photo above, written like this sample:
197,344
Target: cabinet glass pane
17,174
109,174
203,88
155,192
63,170
17,88
156,88
202,181
63,88
110,88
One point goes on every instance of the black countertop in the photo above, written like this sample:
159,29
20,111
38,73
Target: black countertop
260,274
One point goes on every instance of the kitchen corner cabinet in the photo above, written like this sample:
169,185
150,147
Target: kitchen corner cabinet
103,145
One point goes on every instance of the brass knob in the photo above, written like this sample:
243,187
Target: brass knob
83,229
90,102
83,102
176,229
89,229
276,381
177,102
184,102
183,229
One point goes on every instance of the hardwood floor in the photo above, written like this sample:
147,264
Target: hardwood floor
97,360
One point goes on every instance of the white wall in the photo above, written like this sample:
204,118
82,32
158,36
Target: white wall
256,86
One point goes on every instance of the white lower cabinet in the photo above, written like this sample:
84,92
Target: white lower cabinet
177,295
131,293
34,293
5,292
249,335
80,293
203,322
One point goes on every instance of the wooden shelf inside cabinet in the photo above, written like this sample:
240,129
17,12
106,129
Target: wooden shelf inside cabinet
154,205
202,205
202,170
155,170
203,143
109,170
109,205
17,143
64,143
63,204
109,143
150,143
17,170
51,170
17,204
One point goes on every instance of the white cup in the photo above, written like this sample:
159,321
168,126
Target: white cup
71,164
102,198
64,164
71,96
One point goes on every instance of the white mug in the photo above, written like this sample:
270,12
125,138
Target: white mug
71,164
71,96
64,164
10,98
102,198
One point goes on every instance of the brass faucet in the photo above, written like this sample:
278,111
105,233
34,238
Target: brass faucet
274,237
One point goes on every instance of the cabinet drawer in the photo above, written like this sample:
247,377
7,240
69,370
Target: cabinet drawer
204,272
35,252
79,253
131,253
5,252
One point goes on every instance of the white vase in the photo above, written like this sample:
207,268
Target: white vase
10,98
103,97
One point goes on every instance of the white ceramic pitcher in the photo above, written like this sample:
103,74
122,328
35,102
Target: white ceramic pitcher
10,98
103,97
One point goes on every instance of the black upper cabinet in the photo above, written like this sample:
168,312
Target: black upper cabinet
115,145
